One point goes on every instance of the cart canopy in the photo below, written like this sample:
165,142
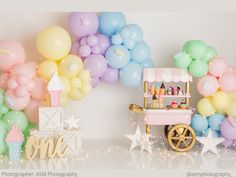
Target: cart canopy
166,75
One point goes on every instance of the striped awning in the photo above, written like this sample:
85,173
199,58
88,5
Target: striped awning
166,75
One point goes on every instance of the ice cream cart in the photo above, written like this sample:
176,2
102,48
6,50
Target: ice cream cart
163,90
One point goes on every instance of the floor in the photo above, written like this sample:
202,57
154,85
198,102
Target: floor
116,155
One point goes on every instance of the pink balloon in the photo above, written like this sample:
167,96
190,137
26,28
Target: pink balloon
217,67
95,81
22,80
31,111
12,84
4,77
28,69
228,82
21,91
207,85
11,53
75,48
231,70
14,102
40,91
31,85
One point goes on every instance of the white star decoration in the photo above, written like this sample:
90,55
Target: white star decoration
210,142
72,123
140,140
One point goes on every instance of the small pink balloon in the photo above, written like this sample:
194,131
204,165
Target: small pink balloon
12,84
40,91
84,51
4,77
228,82
95,82
22,80
83,41
21,91
217,67
96,49
31,85
15,103
207,85
31,111
92,40
11,53
231,70
28,69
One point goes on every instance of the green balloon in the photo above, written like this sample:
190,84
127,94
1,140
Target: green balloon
198,68
3,109
3,133
182,60
210,54
17,117
196,49
2,91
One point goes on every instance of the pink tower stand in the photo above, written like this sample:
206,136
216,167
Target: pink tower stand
55,98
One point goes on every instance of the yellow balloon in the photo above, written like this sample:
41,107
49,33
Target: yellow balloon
75,82
66,85
64,100
53,43
231,110
70,66
86,87
76,94
220,100
205,107
232,96
84,75
47,68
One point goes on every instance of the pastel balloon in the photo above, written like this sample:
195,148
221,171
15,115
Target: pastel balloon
22,80
182,60
86,87
196,49
131,74
220,100
3,109
66,85
92,40
103,43
75,82
96,49
140,52
83,23
53,43
40,90
17,117
205,107
199,123
95,81
70,66
198,68
75,48
111,22
12,84
76,94
215,121
4,77
147,64
84,51
116,39
129,43
31,111
111,75
228,132
227,82
11,53
27,69
84,75
217,67
21,91
207,85
96,64
231,70
210,54
230,110
47,68
14,102
118,56
132,31
3,133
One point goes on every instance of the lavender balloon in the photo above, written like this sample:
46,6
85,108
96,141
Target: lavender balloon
96,64
103,43
83,23
75,48
229,132
111,75
95,81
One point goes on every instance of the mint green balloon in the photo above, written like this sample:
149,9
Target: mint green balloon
3,109
182,60
210,54
17,117
198,68
2,91
3,133
196,49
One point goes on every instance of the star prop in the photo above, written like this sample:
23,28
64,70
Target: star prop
210,142
140,140
72,123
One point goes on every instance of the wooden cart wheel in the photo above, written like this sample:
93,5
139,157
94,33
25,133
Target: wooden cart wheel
181,137
167,129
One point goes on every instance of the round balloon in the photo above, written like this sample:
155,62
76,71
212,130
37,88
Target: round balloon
103,43
32,111
182,60
40,91
17,117
196,49
76,94
53,43
215,121
205,107
210,54
132,32
111,75
3,133
220,100
230,110
198,68
47,68
207,85
147,64
218,66
27,69
227,82
95,81
140,52
199,123
4,77
66,85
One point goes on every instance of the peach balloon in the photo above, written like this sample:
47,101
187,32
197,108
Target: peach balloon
40,91
12,84
4,77
231,70
207,85
21,91
228,82
28,69
22,80
217,67
31,111
14,102
11,53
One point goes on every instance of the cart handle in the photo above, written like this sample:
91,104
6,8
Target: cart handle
135,108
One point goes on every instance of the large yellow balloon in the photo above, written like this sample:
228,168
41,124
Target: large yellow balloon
66,85
232,96
86,87
84,75
76,94
70,66
205,107
75,82
220,100
231,110
64,100
53,43
47,68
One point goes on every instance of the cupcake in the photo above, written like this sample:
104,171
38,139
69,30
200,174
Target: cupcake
174,105
14,141
163,89
183,105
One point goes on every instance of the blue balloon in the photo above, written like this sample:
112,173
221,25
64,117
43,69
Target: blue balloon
132,31
111,22
199,123
131,74
214,133
140,52
215,121
116,39
117,56
129,43
147,64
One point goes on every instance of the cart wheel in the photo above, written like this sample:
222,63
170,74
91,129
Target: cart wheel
181,138
167,129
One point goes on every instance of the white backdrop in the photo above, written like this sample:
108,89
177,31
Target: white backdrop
104,112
